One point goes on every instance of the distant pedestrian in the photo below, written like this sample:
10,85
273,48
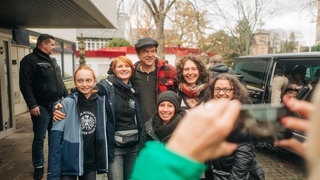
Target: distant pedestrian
41,84
217,66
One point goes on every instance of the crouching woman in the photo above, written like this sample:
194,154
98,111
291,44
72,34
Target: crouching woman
78,143
164,121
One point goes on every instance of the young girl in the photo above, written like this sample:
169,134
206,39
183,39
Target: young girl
78,143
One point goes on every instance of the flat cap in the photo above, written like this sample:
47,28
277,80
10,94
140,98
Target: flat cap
146,42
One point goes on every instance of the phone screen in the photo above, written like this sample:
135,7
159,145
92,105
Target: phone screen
260,122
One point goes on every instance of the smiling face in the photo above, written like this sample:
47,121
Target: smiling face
123,71
166,111
147,56
85,81
223,89
190,73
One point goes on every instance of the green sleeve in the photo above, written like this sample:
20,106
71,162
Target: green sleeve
155,161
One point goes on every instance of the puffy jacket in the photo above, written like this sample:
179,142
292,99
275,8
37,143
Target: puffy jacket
106,88
66,154
149,132
217,69
240,165
40,79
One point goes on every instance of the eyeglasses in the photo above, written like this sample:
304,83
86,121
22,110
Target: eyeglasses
225,90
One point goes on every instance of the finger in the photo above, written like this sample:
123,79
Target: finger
58,112
229,116
303,107
294,123
292,144
225,149
58,106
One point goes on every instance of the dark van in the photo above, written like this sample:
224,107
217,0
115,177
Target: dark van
257,73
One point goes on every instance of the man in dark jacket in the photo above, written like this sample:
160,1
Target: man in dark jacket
41,85
217,67
151,76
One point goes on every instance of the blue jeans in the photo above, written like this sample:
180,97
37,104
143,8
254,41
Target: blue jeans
124,159
41,124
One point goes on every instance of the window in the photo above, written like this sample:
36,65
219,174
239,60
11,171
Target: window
254,71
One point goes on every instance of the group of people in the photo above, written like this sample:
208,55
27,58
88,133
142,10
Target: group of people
100,127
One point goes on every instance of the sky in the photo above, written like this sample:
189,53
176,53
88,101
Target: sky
302,21
289,16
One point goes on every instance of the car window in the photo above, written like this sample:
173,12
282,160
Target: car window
311,68
254,71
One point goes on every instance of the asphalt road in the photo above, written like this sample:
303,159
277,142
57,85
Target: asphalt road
279,163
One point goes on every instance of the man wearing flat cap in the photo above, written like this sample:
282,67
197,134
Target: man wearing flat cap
151,76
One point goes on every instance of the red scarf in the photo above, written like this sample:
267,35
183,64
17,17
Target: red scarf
192,92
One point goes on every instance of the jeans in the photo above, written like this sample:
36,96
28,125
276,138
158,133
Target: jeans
124,159
86,176
41,124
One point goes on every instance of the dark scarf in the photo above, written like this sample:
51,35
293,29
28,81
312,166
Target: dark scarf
192,92
119,83
163,131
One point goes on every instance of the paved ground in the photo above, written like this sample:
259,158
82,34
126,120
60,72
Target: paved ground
15,151
280,164
15,155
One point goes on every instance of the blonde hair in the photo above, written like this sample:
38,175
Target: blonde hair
88,69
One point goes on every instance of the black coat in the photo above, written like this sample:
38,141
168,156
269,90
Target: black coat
40,81
241,164
150,132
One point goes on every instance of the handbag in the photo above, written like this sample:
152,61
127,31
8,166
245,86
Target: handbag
124,138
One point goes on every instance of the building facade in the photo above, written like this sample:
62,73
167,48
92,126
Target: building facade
19,28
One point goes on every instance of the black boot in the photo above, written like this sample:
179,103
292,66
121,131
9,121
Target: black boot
38,173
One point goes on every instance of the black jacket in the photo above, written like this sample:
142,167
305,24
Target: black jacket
40,81
105,87
150,130
219,68
241,164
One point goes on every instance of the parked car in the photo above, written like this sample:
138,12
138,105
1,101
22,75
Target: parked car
257,72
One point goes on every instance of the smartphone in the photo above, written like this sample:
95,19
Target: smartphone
259,123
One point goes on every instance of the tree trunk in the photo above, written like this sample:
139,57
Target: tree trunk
160,36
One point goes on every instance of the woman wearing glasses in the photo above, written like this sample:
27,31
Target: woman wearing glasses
193,79
242,163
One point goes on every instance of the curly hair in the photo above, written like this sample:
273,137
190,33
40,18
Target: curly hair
240,92
203,73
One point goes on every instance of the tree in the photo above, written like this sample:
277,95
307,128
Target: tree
276,37
189,24
314,48
82,60
240,19
159,13
219,43
118,42
289,45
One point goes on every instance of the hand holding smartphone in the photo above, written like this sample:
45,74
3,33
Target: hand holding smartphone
260,122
